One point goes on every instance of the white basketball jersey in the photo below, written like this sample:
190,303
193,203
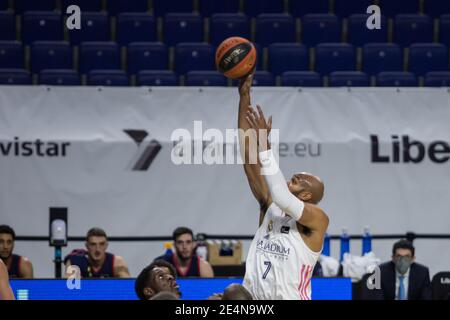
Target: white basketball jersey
279,263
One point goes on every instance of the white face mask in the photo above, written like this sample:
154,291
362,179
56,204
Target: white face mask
402,264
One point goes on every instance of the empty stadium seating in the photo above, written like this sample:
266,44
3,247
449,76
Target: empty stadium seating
298,41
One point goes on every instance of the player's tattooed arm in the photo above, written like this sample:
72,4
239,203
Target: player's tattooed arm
121,268
26,268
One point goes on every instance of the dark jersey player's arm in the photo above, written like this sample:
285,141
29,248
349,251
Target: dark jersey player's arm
257,183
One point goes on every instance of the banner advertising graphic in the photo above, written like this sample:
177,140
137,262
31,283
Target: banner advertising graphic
383,154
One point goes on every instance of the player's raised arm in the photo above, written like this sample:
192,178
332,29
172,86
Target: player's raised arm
252,166
299,202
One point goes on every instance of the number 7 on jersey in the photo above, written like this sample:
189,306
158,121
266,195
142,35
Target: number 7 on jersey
269,265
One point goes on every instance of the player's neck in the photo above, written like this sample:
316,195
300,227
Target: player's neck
96,263
7,261
183,262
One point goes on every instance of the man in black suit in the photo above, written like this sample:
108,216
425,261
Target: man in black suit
402,278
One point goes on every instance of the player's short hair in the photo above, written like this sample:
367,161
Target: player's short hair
180,231
96,232
164,295
143,279
403,244
4,229
236,291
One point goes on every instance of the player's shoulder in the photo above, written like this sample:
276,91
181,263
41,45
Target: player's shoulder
318,211
119,260
25,261
203,261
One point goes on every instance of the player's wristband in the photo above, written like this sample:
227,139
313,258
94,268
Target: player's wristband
278,188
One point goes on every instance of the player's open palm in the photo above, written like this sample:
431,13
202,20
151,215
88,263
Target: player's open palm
258,122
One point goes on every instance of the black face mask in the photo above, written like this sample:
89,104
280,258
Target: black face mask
402,264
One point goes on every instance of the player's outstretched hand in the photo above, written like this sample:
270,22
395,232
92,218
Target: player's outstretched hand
257,122
245,84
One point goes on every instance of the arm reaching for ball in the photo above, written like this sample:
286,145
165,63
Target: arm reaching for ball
300,206
249,152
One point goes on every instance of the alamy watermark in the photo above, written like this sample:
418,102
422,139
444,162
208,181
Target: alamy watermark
73,277
212,146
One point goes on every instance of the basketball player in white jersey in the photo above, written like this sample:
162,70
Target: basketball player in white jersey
292,227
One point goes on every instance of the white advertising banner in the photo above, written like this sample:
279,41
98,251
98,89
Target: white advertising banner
108,155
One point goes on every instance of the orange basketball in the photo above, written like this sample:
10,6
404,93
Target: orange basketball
235,57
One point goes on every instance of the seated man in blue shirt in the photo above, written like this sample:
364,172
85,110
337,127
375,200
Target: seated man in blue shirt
403,278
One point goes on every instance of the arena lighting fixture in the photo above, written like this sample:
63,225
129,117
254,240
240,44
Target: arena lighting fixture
58,235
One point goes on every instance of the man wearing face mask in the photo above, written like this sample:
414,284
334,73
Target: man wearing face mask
402,278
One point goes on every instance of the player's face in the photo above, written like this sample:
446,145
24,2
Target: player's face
96,247
163,280
6,245
184,246
403,253
297,184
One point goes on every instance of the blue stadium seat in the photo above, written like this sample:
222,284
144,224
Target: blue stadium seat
11,54
182,27
59,77
359,34
146,56
210,7
287,57
271,28
193,56
85,5
108,78
41,25
225,25
51,55
410,28
335,57
94,27
444,29
133,27
301,79
427,57
391,8
118,6
349,79
437,79
299,8
162,7
317,28
378,57
260,79
7,26
15,76
396,79
259,56
157,78
436,8
205,78
344,8
263,79
99,55
4,4
253,8
21,6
